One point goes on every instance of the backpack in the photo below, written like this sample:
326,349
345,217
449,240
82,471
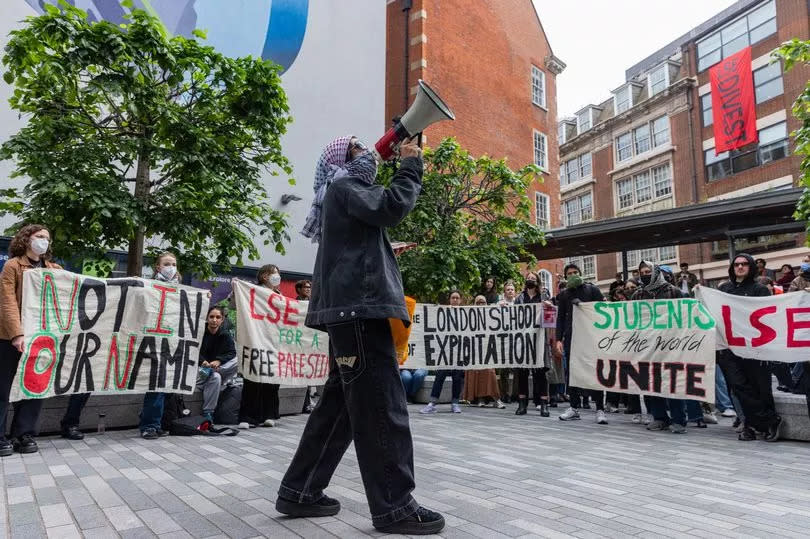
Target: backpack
174,407
227,412
193,425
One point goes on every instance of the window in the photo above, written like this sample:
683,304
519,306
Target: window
650,184
540,150
586,264
767,85
542,210
773,145
561,133
623,99
639,140
546,281
584,121
575,169
658,79
578,209
538,87
752,27
659,255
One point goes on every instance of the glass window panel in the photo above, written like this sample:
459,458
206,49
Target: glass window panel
662,181
641,136
774,152
571,171
709,60
666,253
538,87
586,206
744,161
540,154
588,266
762,31
571,211
734,30
625,190
769,90
584,120
709,45
735,45
762,14
585,165
706,108
660,131
772,133
623,149
764,74
643,189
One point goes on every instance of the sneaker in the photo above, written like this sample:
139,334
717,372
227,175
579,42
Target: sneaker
747,435
637,419
25,444
6,448
244,425
739,428
775,431
728,412
268,423
455,408
72,433
646,419
701,424
150,434
675,428
482,404
710,418
499,404
422,522
429,409
601,418
162,433
569,415
609,408
658,425
325,507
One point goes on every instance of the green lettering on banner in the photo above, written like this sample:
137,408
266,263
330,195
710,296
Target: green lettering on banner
648,323
49,302
708,324
36,380
666,323
599,307
315,341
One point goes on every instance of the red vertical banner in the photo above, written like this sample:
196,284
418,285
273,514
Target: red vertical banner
733,104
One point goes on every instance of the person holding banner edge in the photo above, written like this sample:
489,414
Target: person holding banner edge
357,288
531,294
456,376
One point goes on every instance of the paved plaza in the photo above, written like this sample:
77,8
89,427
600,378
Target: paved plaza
491,473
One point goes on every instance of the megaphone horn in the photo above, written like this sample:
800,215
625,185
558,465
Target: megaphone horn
428,108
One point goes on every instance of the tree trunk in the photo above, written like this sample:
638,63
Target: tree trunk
135,254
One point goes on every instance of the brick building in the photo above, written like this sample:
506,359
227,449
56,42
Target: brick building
491,62
650,146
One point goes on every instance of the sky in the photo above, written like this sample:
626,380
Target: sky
599,39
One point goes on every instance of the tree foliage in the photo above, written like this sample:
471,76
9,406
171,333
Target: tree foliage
135,135
471,221
798,52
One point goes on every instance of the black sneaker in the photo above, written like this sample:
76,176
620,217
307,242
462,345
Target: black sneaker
72,433
25,444
6,448
747,435
325,507
162,433
422,522
150,434
774,431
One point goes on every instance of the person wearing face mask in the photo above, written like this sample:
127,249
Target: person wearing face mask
509,296
531,294
260,402
357,288
217,361
456,375
576,291
29,249
802,281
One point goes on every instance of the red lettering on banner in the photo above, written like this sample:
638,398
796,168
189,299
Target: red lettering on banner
158,330
793,325
733,104
253,314
34,380
730,338
289,309
276,309
121,381
766,332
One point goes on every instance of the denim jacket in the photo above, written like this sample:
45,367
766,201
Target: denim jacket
356,274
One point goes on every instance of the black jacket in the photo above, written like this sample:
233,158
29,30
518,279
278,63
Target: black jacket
585,293
749,286
665,292
356,274
218,346
523,297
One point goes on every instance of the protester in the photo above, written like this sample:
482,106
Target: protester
30,248
531,294
749,379
630,288
481,385
576,291
489,290
686,280
260,405
456,375
787,276
358,287
762,271
217,361
802,281
165,270
412,380
303,290
509,296
616,283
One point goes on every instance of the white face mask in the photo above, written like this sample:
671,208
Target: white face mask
274,280
39,246
168,272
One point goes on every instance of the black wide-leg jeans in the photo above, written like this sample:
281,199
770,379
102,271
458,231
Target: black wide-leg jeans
363,401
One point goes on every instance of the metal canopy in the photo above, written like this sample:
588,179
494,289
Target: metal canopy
768,212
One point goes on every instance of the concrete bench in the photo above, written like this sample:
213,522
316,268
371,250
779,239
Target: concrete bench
122,411
793,409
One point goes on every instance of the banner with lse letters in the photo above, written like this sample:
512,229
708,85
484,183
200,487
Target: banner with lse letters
107,336
771,328
733,106
663,348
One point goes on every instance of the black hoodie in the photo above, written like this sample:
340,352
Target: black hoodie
749,286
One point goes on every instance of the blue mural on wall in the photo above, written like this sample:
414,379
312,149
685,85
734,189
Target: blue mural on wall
272,29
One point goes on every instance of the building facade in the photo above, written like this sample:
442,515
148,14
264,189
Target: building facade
650,146
491,62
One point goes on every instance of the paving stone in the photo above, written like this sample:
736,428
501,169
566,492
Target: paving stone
89,517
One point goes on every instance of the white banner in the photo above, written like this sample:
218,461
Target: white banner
273,345
771,328
107,336
476,337
663,348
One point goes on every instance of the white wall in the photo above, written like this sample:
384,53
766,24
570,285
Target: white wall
336,86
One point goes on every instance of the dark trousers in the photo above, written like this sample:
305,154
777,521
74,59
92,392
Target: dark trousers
578,396
26,412
73,414
456,375
539,384
782,373
750,380
259,402
363,401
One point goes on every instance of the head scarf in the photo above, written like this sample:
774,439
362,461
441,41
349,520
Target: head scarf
331,166
657,280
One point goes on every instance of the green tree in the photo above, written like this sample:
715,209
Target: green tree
135,135
471,221
798,52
